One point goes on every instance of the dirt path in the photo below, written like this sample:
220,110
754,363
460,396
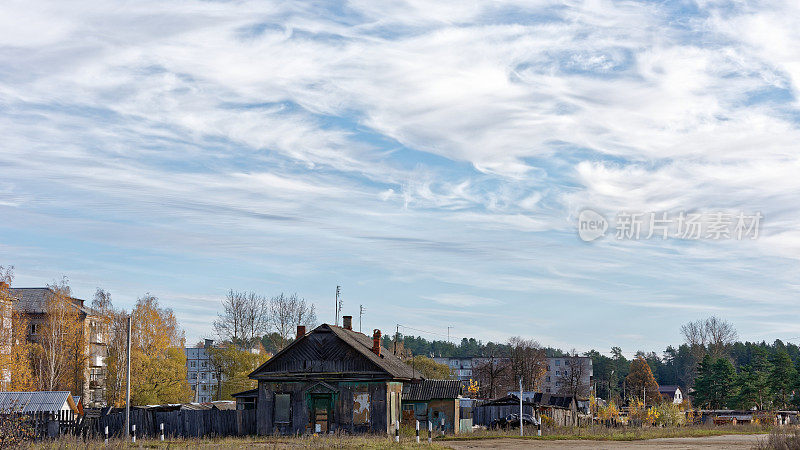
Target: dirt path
737,441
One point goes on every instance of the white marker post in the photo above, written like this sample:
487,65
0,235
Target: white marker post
417,431
133,430
430,431
106,433
162,431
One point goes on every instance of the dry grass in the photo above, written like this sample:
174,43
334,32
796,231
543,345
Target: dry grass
781,439
301,442
613,434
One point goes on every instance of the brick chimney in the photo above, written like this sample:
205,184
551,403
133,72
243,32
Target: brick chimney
347,322
301,331
376,342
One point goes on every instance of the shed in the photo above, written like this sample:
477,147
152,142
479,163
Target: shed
37,402
434,400
246,400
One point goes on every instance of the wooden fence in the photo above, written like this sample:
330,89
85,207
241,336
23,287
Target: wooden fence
183,423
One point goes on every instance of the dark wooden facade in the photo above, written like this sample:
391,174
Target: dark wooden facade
330,380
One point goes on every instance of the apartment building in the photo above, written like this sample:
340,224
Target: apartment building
201,372
568,373
33,303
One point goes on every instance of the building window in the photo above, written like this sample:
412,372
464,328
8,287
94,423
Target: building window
282,408
33,328
558,362
202,375
548,379
192,364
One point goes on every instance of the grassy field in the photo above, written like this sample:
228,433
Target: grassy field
304,442
612,434
407,439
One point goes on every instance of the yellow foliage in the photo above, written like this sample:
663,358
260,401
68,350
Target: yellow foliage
158,361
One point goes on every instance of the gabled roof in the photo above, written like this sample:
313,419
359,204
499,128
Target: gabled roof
359,342
34,300
426,390
250,393
668,389
31,402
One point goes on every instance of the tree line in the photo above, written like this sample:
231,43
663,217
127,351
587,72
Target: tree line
722,371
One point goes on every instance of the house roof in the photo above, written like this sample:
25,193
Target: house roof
251,393
31,402
34,300
432,389
360,342
539,399
668,389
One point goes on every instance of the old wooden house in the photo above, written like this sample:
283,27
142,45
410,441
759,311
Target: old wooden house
331,379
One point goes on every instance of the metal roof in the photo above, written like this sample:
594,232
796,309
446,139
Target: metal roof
34,300
31,402
432,389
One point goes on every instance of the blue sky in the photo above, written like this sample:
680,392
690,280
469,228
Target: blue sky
430,157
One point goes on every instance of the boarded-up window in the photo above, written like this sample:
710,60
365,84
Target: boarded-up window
360,408
393,409
282,406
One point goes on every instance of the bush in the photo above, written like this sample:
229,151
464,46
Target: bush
14,430
780,439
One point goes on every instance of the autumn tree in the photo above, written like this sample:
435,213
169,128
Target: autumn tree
158,361
233,367
116,359
286,312
60,350
641,383
429,368
528,362
491,373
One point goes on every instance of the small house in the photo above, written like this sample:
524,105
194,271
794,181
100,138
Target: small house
671,393
331,379
433,400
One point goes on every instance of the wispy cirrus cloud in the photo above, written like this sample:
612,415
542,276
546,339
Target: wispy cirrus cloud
415,152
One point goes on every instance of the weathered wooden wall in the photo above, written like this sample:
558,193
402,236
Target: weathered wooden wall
186,424
344,394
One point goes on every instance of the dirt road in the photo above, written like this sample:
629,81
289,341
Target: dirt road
738,442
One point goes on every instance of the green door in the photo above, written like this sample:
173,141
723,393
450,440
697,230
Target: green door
321,414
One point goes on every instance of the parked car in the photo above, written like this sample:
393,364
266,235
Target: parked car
512,421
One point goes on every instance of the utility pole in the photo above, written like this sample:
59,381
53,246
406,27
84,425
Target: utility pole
396,338
448,334
337,305
128,383
360,313
520,406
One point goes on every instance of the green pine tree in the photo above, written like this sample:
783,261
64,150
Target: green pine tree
782,378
